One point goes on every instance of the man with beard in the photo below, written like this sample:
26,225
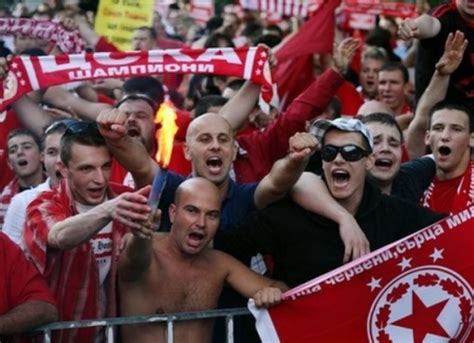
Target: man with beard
304,245
451,138
24,158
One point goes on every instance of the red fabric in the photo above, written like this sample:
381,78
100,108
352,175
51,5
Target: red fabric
27,73
263,148
72,274
350,98
105,99
8,122
103,45
167,43
415,287
8,193
294,71
405,156
450,196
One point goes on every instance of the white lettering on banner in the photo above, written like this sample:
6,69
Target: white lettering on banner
139,69
419,239
460,217
156,56
312,290
218,54
49,64
105,59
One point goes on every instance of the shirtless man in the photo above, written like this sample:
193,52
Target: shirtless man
178,271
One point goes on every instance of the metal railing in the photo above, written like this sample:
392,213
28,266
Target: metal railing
169,318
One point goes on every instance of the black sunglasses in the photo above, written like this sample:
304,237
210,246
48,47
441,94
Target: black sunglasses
59,123
76,127
350,152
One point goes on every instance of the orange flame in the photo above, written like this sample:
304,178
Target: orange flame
166,116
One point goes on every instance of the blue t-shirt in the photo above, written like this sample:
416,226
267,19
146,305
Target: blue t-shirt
238,203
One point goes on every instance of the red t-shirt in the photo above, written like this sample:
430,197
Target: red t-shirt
444,194
19,281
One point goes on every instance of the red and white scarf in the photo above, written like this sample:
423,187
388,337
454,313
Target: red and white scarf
27,73
464,193
68,41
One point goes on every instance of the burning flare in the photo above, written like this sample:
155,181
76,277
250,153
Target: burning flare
166,116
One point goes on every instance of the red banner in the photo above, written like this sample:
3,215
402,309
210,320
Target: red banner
27,73
392,8
416,290
201,11
297,8
68,41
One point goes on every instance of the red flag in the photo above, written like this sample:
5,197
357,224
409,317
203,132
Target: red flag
294,71
419,289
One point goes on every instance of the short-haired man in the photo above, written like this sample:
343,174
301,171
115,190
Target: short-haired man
392,87
372,60
451,138
16,214
71,235
304,245
25,300
24,158
179,272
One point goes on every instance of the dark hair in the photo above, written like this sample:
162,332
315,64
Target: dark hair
147,85
207,102
274,28
214,23
382,38
452,106
151,31
213,40
396,66
268,39
79,132
23,132
382,118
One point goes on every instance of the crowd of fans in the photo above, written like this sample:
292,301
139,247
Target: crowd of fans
377,147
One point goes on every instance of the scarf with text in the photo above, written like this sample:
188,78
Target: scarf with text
464,192
68,41
28,73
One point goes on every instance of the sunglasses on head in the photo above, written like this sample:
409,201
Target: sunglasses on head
350,152
78,127
60,123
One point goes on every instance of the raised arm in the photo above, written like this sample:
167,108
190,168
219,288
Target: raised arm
129,208
436,91
266,292
286,171
129,152
311,193
425,26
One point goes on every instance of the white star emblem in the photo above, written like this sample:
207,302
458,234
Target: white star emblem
374,283
258,72
18,74
437,255
260,63
405,264
22,82
263,54
14,65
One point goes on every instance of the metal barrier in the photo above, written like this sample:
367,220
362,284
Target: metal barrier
169,318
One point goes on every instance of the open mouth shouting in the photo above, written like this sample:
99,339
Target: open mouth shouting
340,178
444,152
383,163
195,239
214,164
133,132
22,163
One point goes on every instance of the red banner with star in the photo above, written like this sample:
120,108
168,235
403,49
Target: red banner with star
28,73
416,290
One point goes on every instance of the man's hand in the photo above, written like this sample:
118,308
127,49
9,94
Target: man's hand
343,54
302,146
454,49
111,124
355,243
268,296
132,210
408,29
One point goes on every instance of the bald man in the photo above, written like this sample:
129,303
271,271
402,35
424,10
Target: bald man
178,271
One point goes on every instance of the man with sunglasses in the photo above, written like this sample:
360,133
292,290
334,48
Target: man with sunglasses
303,244
72,233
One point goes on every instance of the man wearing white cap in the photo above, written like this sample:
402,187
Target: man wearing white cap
304,245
